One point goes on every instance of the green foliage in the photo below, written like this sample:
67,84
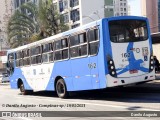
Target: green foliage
40,21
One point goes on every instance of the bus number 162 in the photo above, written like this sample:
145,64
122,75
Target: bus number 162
125,55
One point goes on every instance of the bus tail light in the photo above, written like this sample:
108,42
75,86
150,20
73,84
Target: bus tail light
151,63
111,68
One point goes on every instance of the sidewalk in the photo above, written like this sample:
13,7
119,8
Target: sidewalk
7,83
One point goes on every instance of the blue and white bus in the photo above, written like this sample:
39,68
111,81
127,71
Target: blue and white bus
110,52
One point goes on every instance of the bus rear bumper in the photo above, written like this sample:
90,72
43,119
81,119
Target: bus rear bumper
111,81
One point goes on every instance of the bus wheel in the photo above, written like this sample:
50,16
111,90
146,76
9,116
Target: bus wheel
61,89
22,89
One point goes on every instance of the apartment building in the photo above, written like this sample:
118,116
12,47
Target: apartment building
150,9
79,12
6,12
18,3
120,7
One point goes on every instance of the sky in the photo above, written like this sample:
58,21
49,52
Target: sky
135,6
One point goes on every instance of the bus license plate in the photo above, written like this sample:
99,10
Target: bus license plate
133,71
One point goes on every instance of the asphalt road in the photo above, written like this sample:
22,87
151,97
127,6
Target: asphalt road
144,97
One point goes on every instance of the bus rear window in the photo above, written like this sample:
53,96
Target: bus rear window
128,30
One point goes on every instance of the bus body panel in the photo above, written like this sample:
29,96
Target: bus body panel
138,58
131,56
90,72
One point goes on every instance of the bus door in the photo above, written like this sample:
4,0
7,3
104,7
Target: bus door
93,41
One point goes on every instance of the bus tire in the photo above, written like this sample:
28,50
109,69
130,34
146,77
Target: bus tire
61,89
22,89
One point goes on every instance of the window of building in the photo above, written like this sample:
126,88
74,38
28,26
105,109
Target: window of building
75,15
22,2
55,6
74,3
78,45
110,9
16,3
93,39
76,25
65,4
61,8
66,18
34,1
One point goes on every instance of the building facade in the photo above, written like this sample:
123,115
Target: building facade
18,3
6,12
150,9
80,12
120,7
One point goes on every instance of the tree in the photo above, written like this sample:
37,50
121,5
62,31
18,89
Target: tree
42,21
21,26
51,22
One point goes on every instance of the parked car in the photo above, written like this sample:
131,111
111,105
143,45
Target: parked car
5,78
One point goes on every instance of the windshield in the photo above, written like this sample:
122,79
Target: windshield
128,30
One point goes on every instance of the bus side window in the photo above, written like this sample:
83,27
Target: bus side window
61,49
58,46
47,53
78,45
26,59
19,59
11,59
65,48
36,57
93,38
